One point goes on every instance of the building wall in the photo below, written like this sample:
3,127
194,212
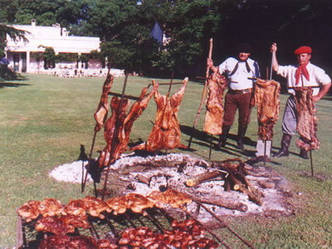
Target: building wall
21,54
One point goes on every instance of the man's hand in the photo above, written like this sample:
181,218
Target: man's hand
209,64
274,47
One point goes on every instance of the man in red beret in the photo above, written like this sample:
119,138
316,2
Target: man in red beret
302,74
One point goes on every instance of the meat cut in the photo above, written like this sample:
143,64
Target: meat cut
166,133
214,105
102,109
306,119
119,125
267,101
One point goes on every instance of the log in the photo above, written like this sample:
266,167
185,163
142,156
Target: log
196,180
225,203
143,179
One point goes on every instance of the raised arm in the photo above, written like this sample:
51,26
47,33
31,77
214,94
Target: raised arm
209,63
275,64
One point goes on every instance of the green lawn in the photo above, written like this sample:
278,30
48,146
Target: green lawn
44,120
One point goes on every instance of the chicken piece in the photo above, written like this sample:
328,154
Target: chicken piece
214,104
137,203
102,109
75,207
29,211
118,204
95,207
171,197
76,221
51,207
53,224
166,131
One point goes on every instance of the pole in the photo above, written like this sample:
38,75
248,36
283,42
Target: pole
311,164
203,92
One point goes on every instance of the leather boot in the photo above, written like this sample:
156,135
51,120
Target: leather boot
304,154
241,133
285,142
224,135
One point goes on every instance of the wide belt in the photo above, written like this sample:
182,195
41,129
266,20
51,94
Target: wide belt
242,91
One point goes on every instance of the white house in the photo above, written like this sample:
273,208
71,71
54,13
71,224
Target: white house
24,56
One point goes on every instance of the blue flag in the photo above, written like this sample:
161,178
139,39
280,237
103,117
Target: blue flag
157,33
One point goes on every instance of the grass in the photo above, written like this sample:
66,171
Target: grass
44,120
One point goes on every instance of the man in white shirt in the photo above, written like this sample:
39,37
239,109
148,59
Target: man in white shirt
240,73
303,74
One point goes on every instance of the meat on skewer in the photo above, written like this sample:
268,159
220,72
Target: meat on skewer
102,109
306,119
267,101
166,131
214,105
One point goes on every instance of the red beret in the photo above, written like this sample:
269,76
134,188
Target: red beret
303,50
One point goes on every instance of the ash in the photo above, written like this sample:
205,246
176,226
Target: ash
161,172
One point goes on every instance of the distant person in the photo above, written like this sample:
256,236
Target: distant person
240,73
302,74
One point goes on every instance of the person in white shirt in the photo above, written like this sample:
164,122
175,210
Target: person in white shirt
240,72
302,74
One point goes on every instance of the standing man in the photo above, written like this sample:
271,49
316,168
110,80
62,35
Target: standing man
240,72
303,74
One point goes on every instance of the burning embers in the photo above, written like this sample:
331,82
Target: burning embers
228,187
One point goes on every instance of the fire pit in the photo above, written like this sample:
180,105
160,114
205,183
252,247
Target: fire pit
205,182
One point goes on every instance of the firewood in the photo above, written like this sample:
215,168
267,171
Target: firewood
143,179
196,180
225,203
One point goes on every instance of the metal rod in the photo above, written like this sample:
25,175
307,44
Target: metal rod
90,155
155,221
311,164
170,85
210,148
129,220
93,229
120,95
223,224
264,152
109,223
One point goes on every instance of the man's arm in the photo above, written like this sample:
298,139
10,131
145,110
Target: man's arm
275,64
322,92
209,63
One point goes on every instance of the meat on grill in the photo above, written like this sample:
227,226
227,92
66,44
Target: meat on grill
306,119
214,105
50,207
29,211
166,131
174,198
267,101
102,109
65,241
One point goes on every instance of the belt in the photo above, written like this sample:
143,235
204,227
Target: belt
242,91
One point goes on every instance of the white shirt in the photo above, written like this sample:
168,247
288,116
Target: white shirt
317,77
239,80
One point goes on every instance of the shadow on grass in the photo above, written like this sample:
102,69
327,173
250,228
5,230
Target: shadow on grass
12,84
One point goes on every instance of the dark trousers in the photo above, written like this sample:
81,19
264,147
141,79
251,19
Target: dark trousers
234,101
